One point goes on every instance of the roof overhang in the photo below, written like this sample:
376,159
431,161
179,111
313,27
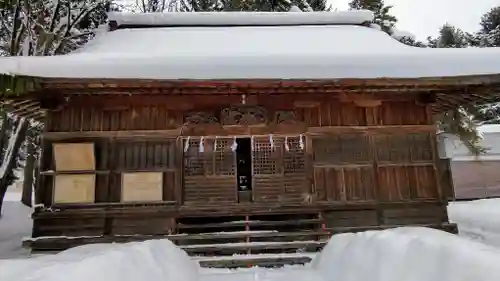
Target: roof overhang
450,92
262,52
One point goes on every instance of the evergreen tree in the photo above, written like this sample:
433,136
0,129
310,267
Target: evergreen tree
39,28
463,121
228,5
385,21
383,18
449,37
490,28
487,36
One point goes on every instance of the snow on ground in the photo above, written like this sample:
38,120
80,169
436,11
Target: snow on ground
14,225
153,260
406,254
403,254
478,220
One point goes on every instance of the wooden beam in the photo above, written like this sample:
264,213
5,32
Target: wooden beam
231,131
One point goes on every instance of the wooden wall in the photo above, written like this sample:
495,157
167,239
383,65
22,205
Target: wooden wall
352,153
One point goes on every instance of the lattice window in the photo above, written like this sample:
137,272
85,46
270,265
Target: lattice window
404,148
224,157
344,149
194,160
267,159
294,159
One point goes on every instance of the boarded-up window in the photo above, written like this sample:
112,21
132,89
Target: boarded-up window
74,189
142,186
74,156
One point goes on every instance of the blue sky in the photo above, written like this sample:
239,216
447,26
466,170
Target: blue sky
424,17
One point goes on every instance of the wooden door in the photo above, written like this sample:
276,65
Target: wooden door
279,173
210,173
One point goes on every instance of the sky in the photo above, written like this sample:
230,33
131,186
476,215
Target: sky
424,17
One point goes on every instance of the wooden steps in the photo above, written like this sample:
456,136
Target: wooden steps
270,241
262,260
255,247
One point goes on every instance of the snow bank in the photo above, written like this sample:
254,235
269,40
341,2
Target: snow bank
406,254
478,220
155,260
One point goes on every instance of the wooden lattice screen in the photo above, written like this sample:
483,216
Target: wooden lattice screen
210,174
279,170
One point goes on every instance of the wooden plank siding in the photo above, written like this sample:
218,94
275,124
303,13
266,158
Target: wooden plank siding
356,165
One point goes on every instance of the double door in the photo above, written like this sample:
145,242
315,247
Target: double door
243,170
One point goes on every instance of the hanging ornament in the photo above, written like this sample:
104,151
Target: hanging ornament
252,143
215,144
234,146
301,142
286,144
202,145
186,146
271,141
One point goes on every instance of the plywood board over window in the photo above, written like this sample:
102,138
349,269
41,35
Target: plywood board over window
74,156
74,189
142,187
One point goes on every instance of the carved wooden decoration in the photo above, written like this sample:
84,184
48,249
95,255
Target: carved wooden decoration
286,117
200,118
243,115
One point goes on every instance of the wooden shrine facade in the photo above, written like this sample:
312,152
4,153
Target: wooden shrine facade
120,162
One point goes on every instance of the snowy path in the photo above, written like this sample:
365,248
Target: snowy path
264,274
14,225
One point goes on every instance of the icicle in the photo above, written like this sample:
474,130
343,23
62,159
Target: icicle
271,141
234,146
215,144
252,144
186,146
202,145
286,144
301,142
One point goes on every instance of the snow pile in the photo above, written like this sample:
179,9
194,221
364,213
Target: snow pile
478,220
154,260
400,34
406,254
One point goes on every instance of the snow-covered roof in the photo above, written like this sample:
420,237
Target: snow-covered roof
241,18
234,45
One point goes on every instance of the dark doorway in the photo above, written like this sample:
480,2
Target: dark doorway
244,168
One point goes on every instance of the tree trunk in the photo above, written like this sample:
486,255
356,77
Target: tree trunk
29,167
2,196
9,159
